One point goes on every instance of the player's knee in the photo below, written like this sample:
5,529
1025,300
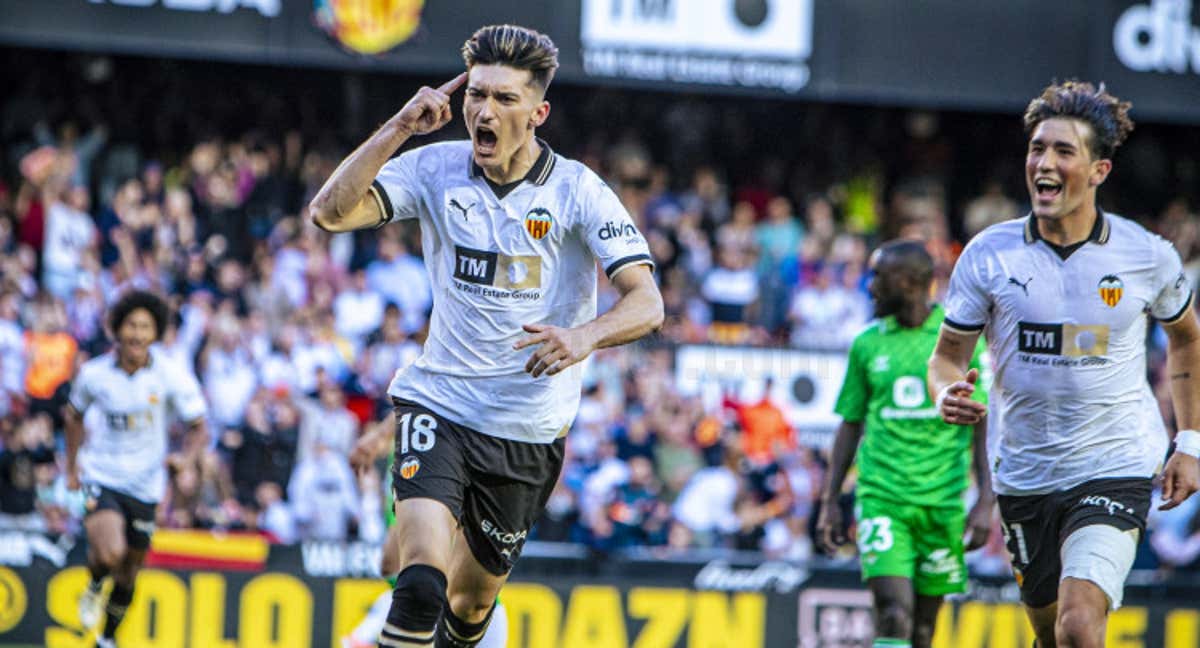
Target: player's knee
110,555
893,620
419,598
470,606
1079,626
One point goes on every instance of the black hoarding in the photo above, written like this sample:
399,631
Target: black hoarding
939,53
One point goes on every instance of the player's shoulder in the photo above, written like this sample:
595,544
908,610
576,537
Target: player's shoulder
870,333
165,365
437,158
1001,235
98,366
1124,231
574,172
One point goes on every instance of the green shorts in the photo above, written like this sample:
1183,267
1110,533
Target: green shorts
921,543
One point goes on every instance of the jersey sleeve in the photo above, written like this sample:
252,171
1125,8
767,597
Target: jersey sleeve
395,188
609,231
853,399
186,397
983,363
1173,291
967,299
81,395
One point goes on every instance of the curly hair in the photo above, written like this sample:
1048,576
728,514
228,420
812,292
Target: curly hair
518,47
1107,115
133,300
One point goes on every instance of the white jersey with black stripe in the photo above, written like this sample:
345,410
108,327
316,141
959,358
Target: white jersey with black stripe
499,258
1066,329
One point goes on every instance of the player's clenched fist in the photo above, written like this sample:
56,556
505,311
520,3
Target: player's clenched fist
559,348
955,404
429,109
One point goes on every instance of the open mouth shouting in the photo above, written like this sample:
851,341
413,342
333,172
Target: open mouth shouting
1047,190
486,141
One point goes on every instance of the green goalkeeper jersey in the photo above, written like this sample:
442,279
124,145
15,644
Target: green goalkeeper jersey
908,455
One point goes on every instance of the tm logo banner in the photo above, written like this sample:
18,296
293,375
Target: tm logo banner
748,43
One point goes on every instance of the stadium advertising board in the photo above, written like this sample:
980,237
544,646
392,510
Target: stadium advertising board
551,602
933,53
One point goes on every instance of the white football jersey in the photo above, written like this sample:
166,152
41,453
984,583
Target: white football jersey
497,263
126,419
1070,401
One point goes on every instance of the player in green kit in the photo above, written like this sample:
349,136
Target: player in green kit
912,467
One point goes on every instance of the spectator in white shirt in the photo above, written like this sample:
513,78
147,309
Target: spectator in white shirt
402,280
357,310
326,422
69,232
323,495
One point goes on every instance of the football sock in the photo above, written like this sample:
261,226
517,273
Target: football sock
114,612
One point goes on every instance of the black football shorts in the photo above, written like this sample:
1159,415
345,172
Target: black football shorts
1035,527
496,488
139,515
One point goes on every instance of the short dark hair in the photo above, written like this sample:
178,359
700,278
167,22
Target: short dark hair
910,257
518,47
1107,115
135,299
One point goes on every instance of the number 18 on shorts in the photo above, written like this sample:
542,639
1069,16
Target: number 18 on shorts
920,543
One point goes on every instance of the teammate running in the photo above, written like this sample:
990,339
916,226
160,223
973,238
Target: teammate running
133,389
511,234
367,631
1062,296
912,466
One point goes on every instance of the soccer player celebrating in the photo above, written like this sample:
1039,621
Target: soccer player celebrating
1062,296
511,233
912,466
119,460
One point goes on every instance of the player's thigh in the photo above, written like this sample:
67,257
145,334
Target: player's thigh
425,533
511,482
429,480
1043,619
472,588
1096,559
1100,533
941,566
1031,525
389,560
105,526
884,538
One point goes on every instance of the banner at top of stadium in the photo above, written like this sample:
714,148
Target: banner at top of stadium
936,53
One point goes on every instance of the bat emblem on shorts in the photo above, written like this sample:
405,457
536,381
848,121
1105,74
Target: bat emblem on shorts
409,467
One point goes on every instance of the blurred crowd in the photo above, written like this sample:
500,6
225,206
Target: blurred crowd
132,177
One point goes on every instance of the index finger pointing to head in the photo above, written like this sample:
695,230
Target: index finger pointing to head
453,84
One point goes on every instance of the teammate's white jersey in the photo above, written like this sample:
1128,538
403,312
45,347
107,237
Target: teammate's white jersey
1070,401
126,417
497,263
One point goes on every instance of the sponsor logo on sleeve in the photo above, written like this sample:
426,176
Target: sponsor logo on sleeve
617,229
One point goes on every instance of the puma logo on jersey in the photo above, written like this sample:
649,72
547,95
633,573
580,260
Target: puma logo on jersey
457,205
1023,286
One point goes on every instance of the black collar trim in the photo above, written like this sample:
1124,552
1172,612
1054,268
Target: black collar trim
1099,234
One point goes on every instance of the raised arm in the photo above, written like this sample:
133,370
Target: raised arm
950,382
344,202
1181,476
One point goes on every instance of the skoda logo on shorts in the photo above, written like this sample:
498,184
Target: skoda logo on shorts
409,467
